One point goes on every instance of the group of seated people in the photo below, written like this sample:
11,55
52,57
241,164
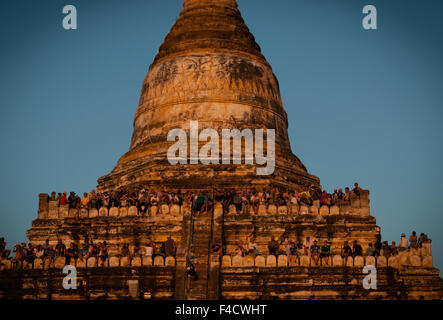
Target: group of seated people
99,250
312,248
203,201
322,252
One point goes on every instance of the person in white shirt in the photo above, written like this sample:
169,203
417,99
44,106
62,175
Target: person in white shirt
307,246
293,203
252,247
403,242
149,250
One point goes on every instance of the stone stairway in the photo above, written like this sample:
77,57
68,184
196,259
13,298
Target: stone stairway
199,254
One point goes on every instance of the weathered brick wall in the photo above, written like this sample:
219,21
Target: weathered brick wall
410,275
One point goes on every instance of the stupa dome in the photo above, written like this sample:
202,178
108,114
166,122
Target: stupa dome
209,69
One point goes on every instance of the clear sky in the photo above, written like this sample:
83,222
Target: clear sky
363,105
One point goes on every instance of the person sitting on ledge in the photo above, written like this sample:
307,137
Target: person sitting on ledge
245,202
40,252
136,252
85,201
403,243
306,198
413,241
30,254
191,274
197,203
252,247
4,254
274,247
293,201
293,249
237,200
93,199
385,250
393,249
356,189
315,252
334,196
273,197
340,194
71,254
316,195
323,198
346,251
164,200
63,198
307,246
125,251
170,247
160,251
83,252
325,252
149,249
239,250
104,200
370,251
357,250
45,247
103,255
53,196
124,200
175,199
281,201
51,253
18,255
72,200
300,248
60,249
423,238
347,196
255,202
209,202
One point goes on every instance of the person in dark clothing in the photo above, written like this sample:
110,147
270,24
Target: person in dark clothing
346,250
238,203
170,247
274,247
60,249
71,254
378,246
356,189
191,274
357,250
103,254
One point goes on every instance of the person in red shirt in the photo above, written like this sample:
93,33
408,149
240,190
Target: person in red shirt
63,199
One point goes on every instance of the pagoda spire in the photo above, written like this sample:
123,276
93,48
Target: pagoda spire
209,25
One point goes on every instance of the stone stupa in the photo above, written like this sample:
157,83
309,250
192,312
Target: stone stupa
209,69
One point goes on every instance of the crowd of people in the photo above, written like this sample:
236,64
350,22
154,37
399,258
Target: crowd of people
203,201
322,252
100,250
312,248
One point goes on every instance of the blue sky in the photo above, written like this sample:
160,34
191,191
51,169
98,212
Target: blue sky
362,105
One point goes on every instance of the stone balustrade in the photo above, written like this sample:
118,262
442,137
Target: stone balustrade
403,260
358,206
92,262
63,211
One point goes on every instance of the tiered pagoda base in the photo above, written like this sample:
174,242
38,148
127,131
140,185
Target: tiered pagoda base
409,275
